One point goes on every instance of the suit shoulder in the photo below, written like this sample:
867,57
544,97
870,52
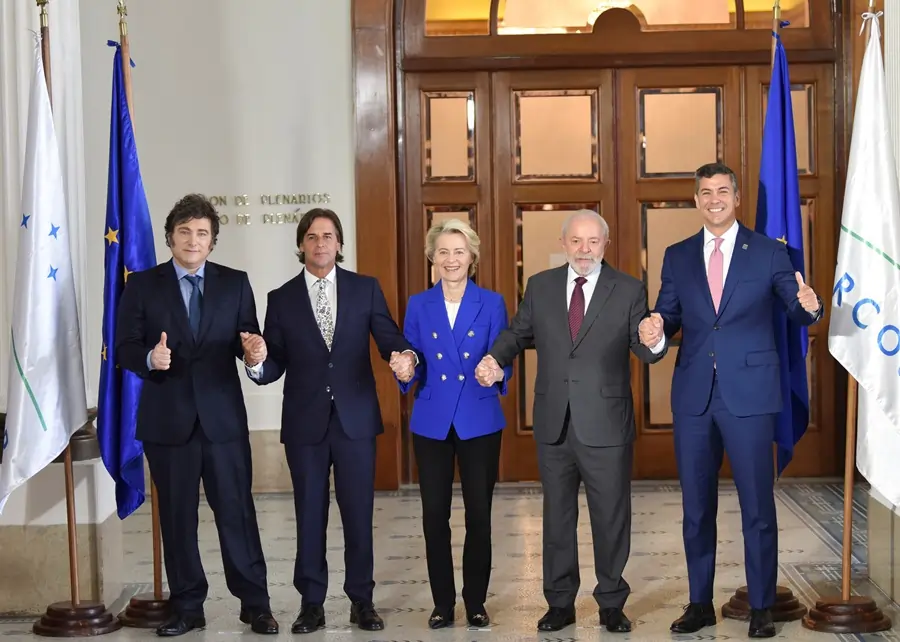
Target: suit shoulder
226,271
492,298
289,287
542,277
625,280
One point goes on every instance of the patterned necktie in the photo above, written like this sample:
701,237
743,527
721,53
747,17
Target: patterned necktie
716,272
576,307
195,305
323,313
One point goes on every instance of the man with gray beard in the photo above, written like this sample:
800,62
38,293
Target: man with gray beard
583,319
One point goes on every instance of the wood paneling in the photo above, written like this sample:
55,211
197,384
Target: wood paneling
389,247
376,199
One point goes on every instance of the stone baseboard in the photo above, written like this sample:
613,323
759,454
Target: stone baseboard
34,565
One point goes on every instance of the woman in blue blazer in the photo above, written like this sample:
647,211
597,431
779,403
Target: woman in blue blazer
454,418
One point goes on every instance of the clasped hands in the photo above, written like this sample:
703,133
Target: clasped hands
404,365
488,371
650,331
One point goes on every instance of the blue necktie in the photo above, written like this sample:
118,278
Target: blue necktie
195,306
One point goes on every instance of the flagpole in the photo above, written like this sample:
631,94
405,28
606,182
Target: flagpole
146,611
776,28
74,618
849,613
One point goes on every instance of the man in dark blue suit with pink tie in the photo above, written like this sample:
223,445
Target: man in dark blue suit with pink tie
719,287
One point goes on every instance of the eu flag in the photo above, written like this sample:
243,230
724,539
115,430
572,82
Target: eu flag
129,248
778,217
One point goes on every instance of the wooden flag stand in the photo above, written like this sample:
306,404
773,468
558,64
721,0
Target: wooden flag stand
73,618
856,613
145,610
787,607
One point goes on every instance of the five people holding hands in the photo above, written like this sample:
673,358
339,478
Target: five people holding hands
183,324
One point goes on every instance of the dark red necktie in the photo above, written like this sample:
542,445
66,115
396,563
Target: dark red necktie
576,307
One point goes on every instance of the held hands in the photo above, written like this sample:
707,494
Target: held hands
806,295
403,365
488,371
161,356
255,351
651,330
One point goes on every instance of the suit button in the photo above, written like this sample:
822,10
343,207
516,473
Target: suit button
465,355
434,334
712,354
471,333
715,327
327,388
443,377
330,365
440,356
461,377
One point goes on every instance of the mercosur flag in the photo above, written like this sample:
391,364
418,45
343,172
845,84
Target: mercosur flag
46,401
864,334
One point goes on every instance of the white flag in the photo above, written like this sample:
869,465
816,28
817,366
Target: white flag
46,401
864,335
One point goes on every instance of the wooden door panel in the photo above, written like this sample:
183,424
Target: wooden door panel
553,153
448,167
669,122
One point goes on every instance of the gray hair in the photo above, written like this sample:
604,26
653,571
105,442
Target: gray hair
454,226
588,214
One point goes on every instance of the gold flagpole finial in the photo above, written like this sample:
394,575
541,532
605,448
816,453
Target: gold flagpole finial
122,10
42,5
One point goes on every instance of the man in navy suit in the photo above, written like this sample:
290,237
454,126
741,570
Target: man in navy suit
719,287
317,333
180,327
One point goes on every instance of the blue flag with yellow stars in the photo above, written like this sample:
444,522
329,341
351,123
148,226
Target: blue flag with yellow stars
129,248
778,217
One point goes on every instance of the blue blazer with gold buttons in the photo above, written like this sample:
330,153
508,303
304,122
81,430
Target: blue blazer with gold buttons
448,393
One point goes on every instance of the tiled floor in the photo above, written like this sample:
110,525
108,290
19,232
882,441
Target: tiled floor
810,517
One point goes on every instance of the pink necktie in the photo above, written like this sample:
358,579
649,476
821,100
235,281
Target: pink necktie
715,272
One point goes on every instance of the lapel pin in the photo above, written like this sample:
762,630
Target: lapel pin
744,246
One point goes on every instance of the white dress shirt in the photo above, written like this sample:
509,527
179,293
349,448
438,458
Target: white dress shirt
589,286
452,311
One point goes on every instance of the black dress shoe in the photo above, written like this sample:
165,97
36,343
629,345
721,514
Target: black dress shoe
365,617
615,620
310,619
556,619
441,617
262,622
761,624
696,616
180,624
478,617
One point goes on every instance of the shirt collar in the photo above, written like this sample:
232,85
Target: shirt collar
180,272
312,279
592,277
730,234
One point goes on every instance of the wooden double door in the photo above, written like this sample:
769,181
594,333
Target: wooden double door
513,153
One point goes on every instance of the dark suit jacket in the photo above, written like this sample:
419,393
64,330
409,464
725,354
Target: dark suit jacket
315,375
740,339
590,376
203,380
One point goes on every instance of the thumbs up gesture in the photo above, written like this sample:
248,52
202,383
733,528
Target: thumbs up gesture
161,357
806,295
